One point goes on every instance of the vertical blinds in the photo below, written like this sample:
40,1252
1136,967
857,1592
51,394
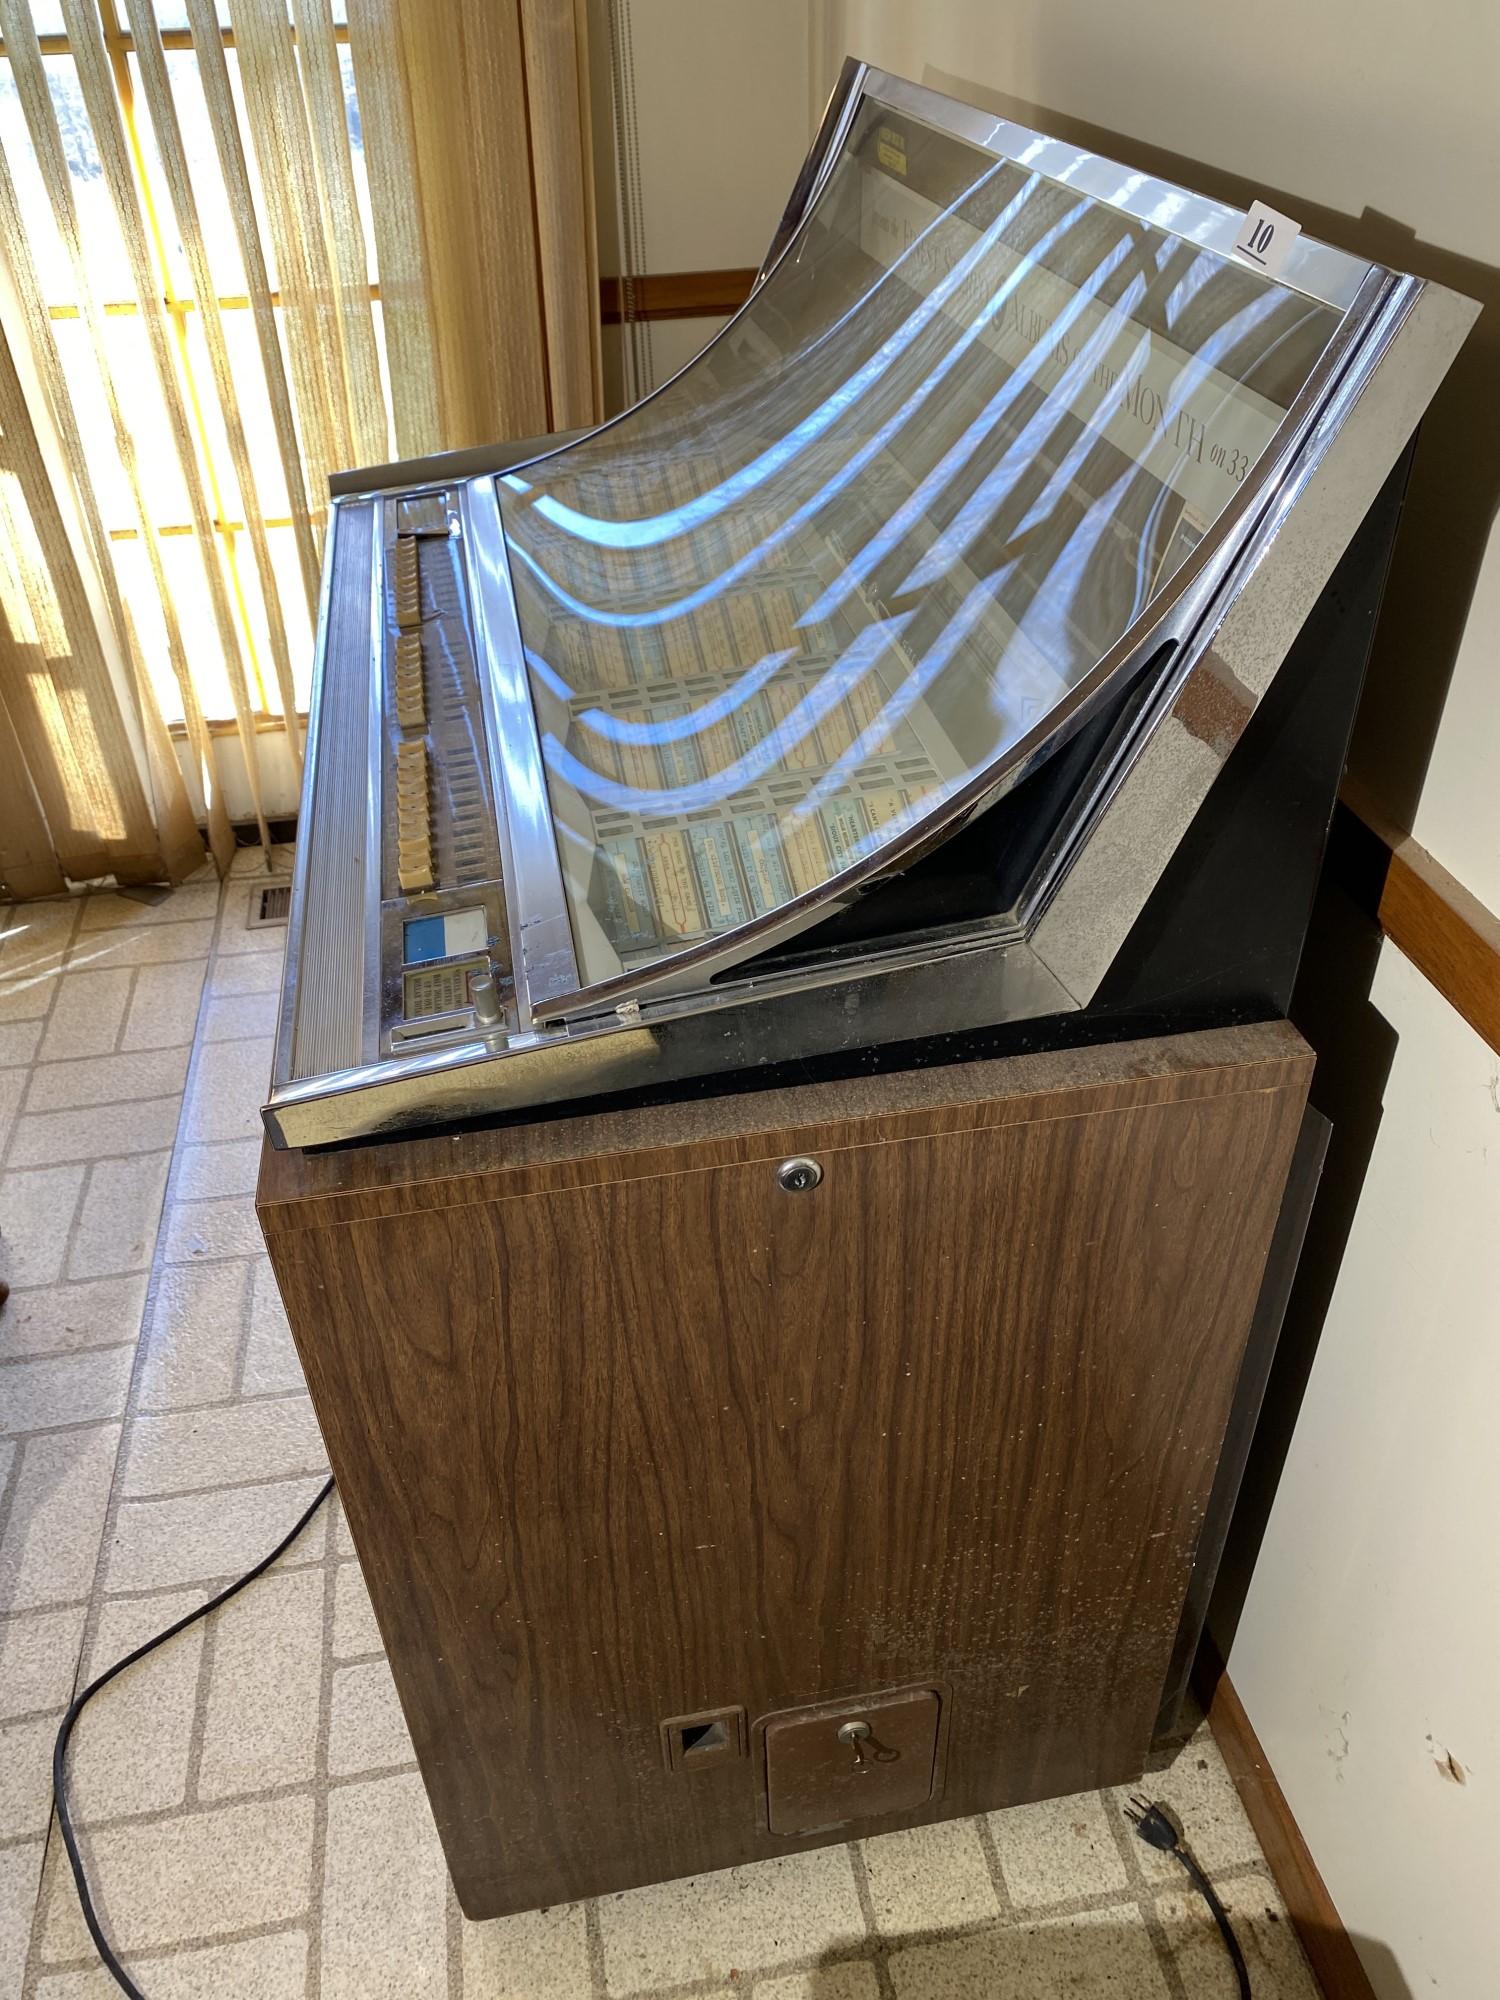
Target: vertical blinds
244,245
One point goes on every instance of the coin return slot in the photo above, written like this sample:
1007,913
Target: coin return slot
693,1742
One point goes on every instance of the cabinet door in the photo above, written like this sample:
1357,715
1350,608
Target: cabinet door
682,1441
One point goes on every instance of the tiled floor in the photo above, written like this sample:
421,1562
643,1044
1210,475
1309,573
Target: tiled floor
255,1822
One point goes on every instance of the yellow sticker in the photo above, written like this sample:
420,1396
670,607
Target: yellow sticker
890,150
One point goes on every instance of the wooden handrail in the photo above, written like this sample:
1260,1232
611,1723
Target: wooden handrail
1448,934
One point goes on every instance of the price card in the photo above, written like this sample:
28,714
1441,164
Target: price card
1266,238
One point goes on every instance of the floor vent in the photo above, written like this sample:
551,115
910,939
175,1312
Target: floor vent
269,906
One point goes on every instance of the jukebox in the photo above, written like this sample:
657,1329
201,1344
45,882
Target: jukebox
781,1102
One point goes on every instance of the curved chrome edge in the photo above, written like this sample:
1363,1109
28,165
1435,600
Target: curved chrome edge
542,953
838,115
281,1069
1393,300
439,470
1318,269
1244,636
1170,617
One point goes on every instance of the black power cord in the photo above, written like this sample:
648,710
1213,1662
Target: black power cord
1158,1830
60,1749
1151,1822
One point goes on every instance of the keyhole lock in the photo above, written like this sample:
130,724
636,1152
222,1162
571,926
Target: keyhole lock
862,1740
798,1176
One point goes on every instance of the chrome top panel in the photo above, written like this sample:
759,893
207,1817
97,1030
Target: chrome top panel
1174,614
1317,507
1320,270
1332,276
1234,605
1350,285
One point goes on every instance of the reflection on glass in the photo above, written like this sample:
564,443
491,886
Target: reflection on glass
962,434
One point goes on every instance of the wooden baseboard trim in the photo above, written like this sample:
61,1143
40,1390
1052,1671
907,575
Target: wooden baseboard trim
677,295
1335,1962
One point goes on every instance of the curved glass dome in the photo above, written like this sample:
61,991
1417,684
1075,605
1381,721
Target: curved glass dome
873,543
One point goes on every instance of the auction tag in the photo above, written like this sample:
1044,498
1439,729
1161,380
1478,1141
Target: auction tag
1266,238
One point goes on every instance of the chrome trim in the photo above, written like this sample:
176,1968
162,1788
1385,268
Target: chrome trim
1334,482
382,638
1333,277
1298,462
1171,616
542,956
336,897
281,1060
448,468
833,126
1320,270
980,984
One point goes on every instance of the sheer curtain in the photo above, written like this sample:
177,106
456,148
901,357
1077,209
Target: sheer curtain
243,245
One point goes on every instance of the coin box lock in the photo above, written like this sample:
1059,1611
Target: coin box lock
851,1760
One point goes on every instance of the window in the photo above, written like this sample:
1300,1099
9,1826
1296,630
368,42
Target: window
211,417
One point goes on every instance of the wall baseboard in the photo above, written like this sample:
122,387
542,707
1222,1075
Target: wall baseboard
1335,1963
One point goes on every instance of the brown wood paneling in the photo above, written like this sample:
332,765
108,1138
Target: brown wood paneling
625,1432
676,295
1337,1965
298,1190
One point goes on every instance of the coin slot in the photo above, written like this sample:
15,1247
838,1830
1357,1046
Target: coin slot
700,1736
694,1742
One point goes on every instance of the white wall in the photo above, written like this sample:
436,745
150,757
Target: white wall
721,98
721,129
1358,103
1367,1648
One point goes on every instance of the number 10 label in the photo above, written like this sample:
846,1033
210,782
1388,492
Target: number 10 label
1266,238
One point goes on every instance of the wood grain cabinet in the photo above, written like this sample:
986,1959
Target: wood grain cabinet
707,1517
